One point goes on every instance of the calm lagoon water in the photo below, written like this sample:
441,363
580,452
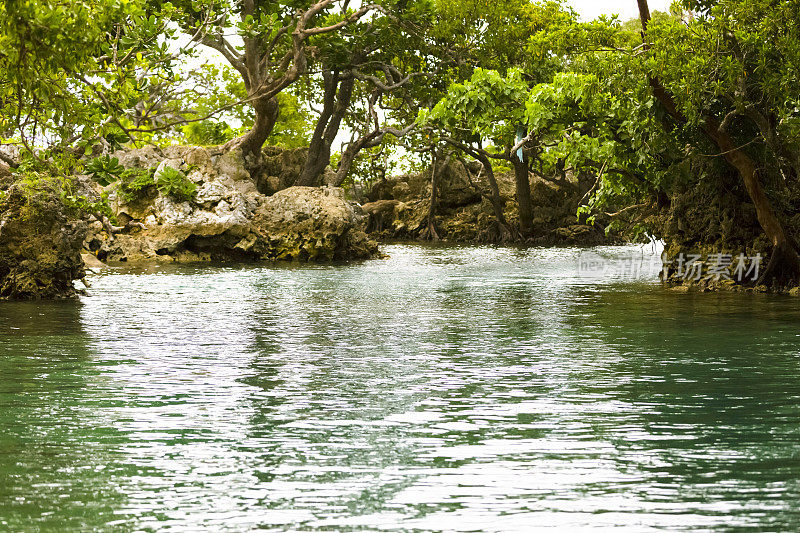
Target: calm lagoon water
443,389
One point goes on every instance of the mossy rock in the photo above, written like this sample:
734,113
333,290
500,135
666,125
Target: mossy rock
40,241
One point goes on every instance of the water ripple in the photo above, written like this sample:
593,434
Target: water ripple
444,389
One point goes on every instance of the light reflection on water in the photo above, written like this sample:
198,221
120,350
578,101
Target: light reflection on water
444,389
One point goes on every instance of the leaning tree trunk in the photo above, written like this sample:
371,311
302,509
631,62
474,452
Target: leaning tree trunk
369,140
524,203
350,153
784,262
266,116
346,162
495,199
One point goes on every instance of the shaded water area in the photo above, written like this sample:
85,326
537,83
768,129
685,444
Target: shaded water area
443,389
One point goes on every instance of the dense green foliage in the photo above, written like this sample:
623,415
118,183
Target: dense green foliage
74,73
105,169
174,183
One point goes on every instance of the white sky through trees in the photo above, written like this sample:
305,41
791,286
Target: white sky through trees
626,9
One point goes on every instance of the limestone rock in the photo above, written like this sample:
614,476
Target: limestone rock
5,170
145,157
40,244
92,262
231,164
198,157
579,234
230,219
401,191
383,214
681,288
282,168
463,215
221,210
308,223
454,187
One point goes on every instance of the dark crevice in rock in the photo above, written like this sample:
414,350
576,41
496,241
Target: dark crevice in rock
218,248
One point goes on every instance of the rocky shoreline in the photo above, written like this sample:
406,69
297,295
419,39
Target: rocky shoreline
191,203
182,204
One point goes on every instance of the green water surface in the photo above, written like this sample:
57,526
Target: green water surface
443,389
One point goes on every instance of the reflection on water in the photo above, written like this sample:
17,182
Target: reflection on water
444,389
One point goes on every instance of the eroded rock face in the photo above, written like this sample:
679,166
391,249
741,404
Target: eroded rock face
5,171
281,168
230,219
40,245
397,208
309,224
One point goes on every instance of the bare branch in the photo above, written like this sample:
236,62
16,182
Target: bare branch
355,16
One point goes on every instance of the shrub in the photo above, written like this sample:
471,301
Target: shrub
136,184
39,191
44,196
174,183
81,205
104,169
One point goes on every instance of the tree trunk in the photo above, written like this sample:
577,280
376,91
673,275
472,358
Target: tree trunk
346,162
430,232
495,199
644,15
784,263
788,162
350,153
266,115
523,185
338,93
